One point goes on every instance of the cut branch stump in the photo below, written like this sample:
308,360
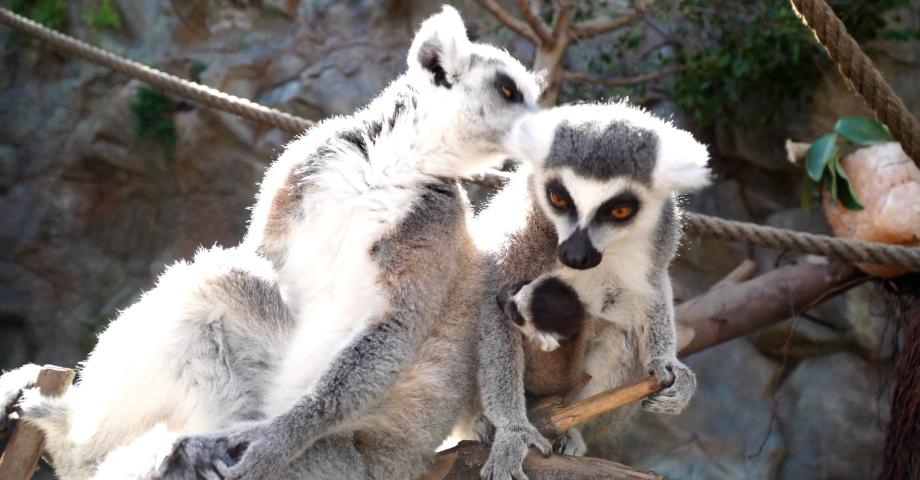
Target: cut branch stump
20,459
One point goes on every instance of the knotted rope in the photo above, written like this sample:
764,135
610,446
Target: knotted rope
846,249
861,73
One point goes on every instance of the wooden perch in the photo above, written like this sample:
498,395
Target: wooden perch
553,419
464,461
26,444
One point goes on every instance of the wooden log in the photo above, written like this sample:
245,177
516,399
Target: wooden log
464,461
733,310
26,444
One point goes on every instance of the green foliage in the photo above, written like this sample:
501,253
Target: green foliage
153,110
760,54
105,16
50,13
822,161
728,53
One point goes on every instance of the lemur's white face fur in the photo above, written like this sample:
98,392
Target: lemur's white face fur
472,91
602,173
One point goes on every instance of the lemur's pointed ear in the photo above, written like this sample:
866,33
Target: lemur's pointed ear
682,162
439,49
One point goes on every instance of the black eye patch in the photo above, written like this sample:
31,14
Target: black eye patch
507,89
625,200
558,197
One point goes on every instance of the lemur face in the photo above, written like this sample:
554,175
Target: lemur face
546,310
473,92
602,173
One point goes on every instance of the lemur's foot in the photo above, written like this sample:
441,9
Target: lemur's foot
678,383
572,443
509,449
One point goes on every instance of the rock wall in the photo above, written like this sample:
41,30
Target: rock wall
91,213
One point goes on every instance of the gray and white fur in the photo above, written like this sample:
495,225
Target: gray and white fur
610,234
363,226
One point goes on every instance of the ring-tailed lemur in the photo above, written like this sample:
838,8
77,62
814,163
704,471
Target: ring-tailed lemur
364,224
600,182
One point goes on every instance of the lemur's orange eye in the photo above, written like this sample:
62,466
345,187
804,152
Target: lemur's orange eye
507,92
621,213
557,201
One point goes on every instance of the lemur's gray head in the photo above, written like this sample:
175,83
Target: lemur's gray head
602,173
472,92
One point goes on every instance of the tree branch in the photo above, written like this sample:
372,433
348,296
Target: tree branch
562,20
510,21
596,26
618,81
535,23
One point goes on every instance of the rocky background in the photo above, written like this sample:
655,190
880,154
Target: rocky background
90,212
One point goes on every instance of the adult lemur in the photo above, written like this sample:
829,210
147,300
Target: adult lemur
600,180
364,225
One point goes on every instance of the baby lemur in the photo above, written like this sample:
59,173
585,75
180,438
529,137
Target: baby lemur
365,273
600,181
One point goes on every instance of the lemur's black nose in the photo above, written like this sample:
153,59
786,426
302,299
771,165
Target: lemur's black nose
578,252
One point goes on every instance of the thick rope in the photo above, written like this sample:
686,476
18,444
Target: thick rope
861,73
164,81
843,248
851,250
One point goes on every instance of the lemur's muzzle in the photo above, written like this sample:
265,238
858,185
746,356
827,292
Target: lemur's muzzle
578,252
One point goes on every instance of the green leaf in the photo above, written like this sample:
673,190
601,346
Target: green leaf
862,130
845,191
819,154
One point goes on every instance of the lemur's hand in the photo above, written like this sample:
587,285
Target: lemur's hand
254,452
678,384
248,451
509,449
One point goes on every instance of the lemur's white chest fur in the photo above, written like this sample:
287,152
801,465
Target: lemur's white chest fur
617,286
616,291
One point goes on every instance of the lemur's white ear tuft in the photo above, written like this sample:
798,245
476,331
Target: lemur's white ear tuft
532,137
440,47
682,162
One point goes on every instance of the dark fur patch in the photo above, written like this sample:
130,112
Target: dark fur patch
374,128
398,109
618,149
610,299
356,139
429,58
555,307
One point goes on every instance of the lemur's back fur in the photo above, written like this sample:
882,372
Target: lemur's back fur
352,352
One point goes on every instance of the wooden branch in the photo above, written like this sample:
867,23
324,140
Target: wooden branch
464,461
562,20
731,311
507,19
537,25
744,271
618,81
26,444
596,26
553,420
